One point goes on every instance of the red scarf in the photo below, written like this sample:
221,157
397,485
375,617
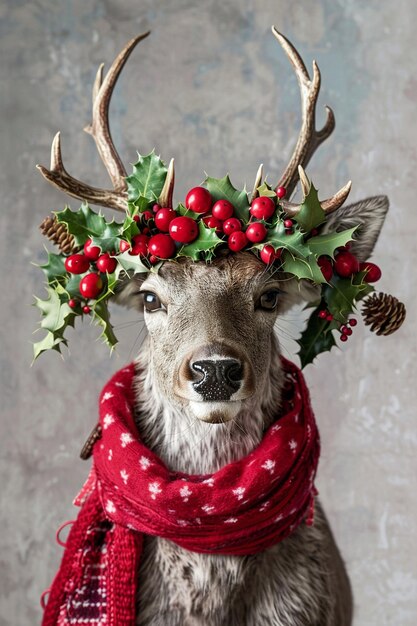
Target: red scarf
245,507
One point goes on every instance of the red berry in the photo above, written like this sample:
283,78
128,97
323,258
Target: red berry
139,245
322,315
288,223
163,218
86,309
343,337
91,251
281,192
231,225
314,232
136,218
153,259
373,272
352,321
269,255
183,229
213,222
124,245
106,263
73,303
146,216
329,317
91,285
346,264
156,208
262,208
326,267
256,232
348,332
344,329
222,209
199,200
237,241
161,246
77,264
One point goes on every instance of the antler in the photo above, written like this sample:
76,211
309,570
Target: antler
329,205
99,129
309,138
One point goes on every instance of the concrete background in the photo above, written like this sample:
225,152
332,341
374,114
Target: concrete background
212,88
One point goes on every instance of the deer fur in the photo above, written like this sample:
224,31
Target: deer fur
213,310
301,581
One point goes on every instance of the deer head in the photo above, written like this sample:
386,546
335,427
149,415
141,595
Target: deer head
211,349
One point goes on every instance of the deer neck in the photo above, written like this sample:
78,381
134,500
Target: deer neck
189,445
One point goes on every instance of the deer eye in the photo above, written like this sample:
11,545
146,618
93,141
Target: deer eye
151,302
269,300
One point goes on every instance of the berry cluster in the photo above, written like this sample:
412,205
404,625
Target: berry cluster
91,285
164,229
346,265
345,329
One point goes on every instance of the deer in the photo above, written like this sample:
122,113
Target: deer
208,384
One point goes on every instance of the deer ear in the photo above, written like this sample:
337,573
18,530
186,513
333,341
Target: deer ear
368,215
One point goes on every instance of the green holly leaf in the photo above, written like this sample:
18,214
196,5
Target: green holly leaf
303,268
266,190
82,224
182,210
72,285
206,241
294,243
310,214
328,243
56,317
314,339
101,316
54,268
109,239
129,229
55,310
131,264
147,179
340,296
222,189
140,205
50,342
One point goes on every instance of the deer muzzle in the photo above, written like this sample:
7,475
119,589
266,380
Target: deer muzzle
215,378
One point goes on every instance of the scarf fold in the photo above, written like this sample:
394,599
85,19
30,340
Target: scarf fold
245,507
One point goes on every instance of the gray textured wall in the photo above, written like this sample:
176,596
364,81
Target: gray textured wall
212,88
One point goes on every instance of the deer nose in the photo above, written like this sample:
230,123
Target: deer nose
216,380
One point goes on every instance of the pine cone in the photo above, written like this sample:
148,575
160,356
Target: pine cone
58,233
383,313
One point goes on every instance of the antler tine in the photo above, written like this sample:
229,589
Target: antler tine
99,127
304,180
258,180
328,206
97,85
336,201
165,198
59,177
309,138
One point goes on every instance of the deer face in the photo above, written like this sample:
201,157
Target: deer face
210,326
210,331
